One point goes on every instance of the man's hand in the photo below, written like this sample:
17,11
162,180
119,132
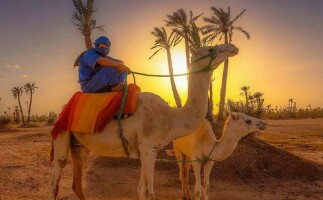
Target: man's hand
123,68
119,65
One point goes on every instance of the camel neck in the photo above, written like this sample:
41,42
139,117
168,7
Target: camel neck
194,111
225,146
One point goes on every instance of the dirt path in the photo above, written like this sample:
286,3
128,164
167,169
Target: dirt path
25,171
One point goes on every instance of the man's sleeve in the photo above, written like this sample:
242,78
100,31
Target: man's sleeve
90,58
114,59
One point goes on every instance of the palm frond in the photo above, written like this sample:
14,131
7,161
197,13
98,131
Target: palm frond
155,53
243,31
210,28
193,19
221,36
220,23
212,20
83,17
230,34
177,40
156,46
237,17
209,39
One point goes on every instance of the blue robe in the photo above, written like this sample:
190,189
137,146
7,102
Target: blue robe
94,78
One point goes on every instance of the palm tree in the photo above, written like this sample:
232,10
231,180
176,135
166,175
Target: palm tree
16,114
290,103
245,92
295,108
258,97
30,89
163,41
181,23
221,24
17,92
84,21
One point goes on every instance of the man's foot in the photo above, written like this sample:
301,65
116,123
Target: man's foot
121,87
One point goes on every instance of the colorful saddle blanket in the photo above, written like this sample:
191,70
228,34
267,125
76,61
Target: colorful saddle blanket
90,112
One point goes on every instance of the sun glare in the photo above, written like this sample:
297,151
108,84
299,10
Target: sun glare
179,65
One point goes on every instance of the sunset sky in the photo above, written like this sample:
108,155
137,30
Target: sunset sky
283,58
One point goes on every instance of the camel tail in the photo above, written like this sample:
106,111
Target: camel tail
51,153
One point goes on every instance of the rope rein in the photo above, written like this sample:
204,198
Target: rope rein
125,142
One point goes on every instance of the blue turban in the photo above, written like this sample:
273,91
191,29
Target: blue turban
102,40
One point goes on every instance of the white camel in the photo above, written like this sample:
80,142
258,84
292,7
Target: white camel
199,145
152,127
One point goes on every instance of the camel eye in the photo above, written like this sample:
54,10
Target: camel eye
211,50
248,121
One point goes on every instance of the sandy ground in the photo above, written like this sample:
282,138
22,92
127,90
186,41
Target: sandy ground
301,137
25,171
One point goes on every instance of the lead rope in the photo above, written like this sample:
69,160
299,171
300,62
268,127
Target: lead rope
124,141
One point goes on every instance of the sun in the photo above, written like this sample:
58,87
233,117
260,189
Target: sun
179,66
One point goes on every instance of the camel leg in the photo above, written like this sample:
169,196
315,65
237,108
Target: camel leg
186,172
183,173
206,184
198,185
61,147
79,154
146,183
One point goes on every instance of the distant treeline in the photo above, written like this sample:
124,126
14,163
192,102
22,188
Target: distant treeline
49,118
254,105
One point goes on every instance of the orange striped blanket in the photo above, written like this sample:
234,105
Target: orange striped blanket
90,112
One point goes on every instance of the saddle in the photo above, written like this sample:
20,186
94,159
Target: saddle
90,112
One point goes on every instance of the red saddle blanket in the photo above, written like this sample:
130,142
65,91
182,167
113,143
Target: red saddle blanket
90,112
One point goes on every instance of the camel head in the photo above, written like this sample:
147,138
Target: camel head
241,124
220,53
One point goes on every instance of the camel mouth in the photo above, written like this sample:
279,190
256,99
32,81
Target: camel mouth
262,126
234,52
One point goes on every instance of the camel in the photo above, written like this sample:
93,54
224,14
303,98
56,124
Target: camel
199,145
152,127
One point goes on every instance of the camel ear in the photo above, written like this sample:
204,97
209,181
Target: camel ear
234,116
193,51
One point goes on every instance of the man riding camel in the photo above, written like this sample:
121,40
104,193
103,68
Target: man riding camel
100,73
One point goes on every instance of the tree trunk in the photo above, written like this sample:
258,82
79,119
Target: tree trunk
209,114
29,108
223,88
21,111
247,101
172,81
88,41
187,51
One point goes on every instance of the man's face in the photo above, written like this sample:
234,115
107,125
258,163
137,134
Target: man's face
104,46
104,49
